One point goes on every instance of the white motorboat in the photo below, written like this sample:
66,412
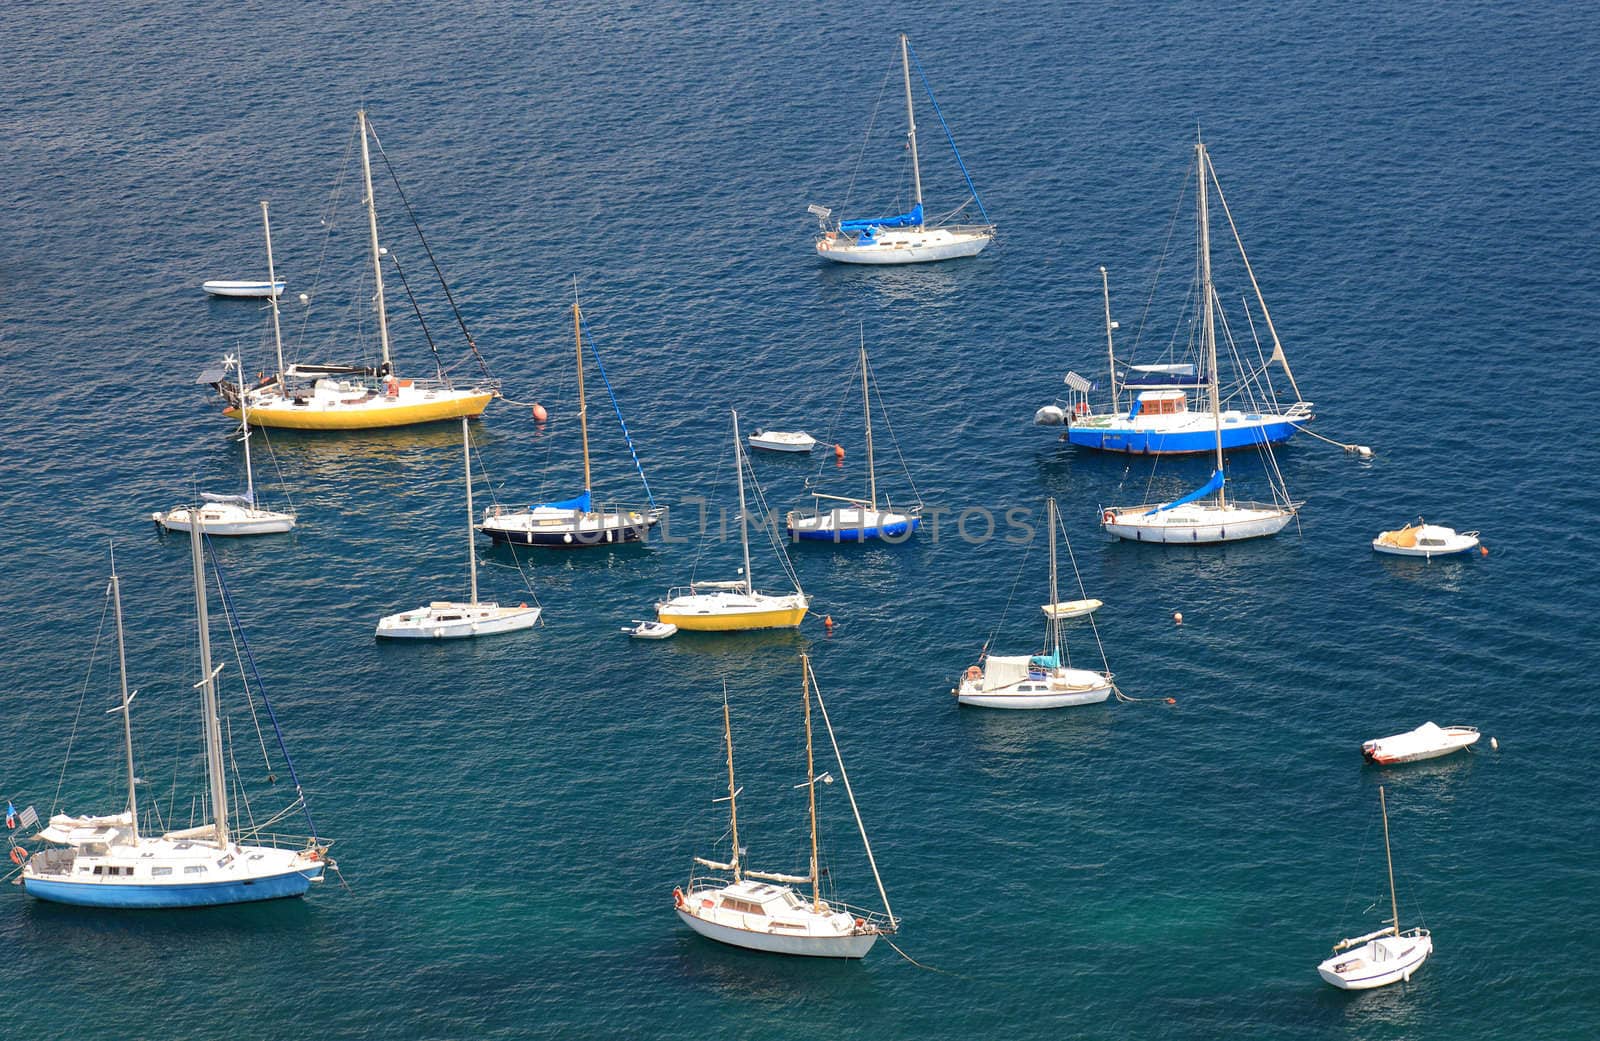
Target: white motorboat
737,606
1046,680
858,519
1385,956
644,629
577,523
782,440
1425,540
1196,518
906,238
1429,741
452,620
762,910
108,861
244,289
230,514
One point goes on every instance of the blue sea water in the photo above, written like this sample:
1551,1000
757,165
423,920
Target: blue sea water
1416,187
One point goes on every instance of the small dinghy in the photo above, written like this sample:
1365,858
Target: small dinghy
782,440
247,289
1429,741
647,630
1425,540
1072,609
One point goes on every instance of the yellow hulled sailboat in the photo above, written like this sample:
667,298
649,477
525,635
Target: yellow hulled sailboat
345,397
737,606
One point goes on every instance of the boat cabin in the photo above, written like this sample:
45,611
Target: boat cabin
1163,403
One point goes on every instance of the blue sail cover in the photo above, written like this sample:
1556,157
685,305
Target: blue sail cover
582,503
905,220
1213,485
1046,661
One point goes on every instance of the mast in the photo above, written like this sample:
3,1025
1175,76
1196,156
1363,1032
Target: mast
1055,622
127,720
744,529
372,227
583,408
1394,901
1111,354
272,283
866,400
811,784
911,122
208,695
244,422
733,794
1210,318
472,547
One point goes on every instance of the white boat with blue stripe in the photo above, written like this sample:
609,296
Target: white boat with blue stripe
107,861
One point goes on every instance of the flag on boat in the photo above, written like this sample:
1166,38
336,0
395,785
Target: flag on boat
11,815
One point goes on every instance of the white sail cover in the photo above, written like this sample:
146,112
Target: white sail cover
1003,672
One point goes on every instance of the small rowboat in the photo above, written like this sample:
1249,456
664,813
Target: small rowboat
783,440
249,289
1071,609
1429,741
1425,540
645,630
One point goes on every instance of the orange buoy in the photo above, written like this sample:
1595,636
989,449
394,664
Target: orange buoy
827,621
838,452
1483,550
1172,701
1177,617
539,413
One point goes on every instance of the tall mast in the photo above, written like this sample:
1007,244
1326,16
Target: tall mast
733,793
1055,622
744,529
472,547
811,785
1210,319
244,423
1394,901
208,695
866,400
372,226
1111,354
272,294
583,408
127,715
911,121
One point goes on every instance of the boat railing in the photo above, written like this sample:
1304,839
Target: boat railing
699,588
630,512
52,860
1299,412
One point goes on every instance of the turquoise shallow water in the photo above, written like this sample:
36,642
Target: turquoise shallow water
1415,188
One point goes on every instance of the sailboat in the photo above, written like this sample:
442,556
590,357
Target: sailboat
345,397
1190,519
1045,680
574,523
1382,957
762,910
450,620
230,514
858,520
737,606
105,861
907,238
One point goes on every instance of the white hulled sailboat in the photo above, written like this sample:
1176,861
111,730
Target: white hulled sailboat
1385,956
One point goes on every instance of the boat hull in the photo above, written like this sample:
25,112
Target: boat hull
853,526
260,290
771,443
973,696
1378,963
905,247
854,946
732,612
231,522
1417,745
561,530
481,620
211,894
1206,525
1116,434
370,414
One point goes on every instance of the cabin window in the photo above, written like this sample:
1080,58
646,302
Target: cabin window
160,872
194,869
99,870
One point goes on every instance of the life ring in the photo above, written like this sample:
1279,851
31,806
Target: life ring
18,855
677,897
860,922
1109,517
312,854
1081,408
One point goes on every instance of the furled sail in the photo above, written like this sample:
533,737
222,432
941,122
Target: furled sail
582,503
1213,485
912,219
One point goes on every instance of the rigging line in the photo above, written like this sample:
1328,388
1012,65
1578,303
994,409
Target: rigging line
283,485
482,364
88,673
1077,576
705,531
1021,570
233,618
329,220
239,796
862,154
238,658
844,776
488,479
873,380
948,136
595,350
769,522
1161,263
416,309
